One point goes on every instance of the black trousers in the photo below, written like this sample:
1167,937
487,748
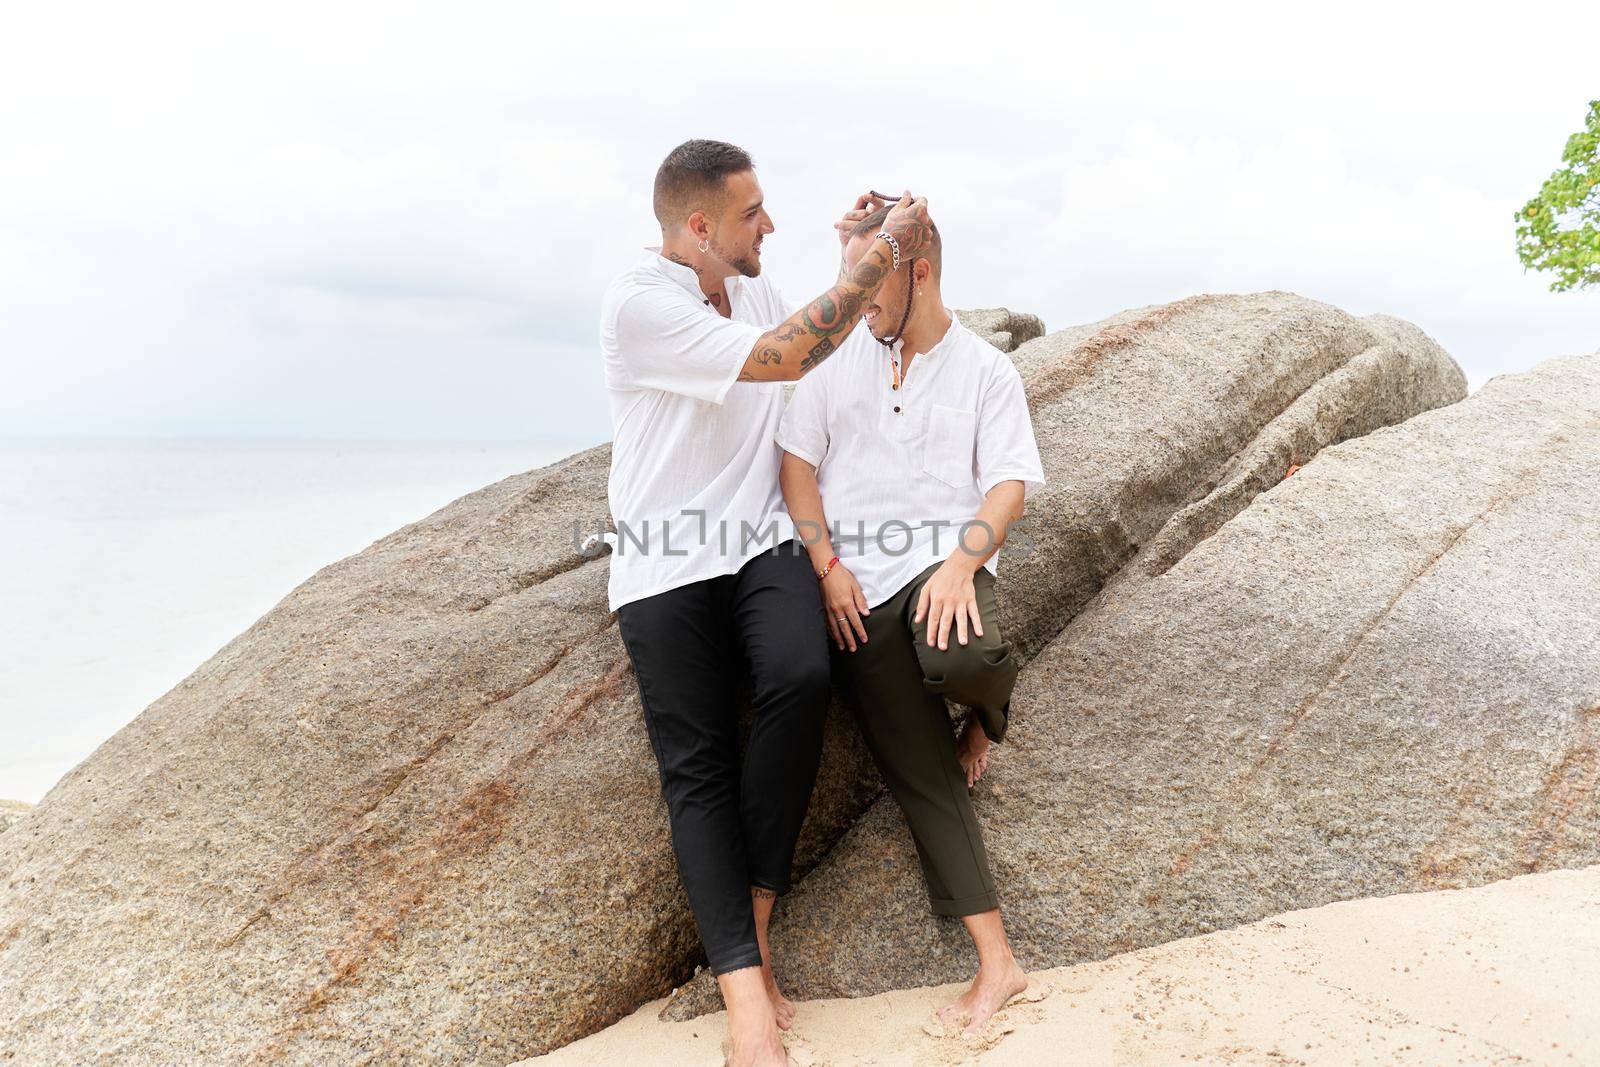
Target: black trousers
734,827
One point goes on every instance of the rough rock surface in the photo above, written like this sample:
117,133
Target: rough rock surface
11,811
1001,327
411,814
1382,676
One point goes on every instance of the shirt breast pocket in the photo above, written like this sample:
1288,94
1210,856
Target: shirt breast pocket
947,453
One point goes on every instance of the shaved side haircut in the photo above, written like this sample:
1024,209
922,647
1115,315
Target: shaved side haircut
693,178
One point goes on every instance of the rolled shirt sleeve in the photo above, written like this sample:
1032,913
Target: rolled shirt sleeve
665,340
1006,446
803,429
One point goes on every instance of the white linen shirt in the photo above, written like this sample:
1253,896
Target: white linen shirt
693,463
899,485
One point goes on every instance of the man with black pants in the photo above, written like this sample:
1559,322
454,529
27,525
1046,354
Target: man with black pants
696,346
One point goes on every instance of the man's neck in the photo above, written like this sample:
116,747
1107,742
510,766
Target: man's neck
711,272
927,328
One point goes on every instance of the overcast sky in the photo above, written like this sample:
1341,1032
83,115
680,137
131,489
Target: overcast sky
388,221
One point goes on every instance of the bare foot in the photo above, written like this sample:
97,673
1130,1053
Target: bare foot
988,994
762,900
749,1048
973,750
782,1006
753,1039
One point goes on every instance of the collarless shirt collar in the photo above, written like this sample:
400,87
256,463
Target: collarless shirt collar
651,256
685,276
943,342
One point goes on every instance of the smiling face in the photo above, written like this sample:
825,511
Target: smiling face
736,235
882,316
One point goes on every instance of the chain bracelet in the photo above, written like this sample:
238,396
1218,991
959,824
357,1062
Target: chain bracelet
894,246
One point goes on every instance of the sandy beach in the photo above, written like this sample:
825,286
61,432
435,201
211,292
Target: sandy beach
1499,974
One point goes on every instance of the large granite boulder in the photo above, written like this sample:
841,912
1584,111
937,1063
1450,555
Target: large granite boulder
1381,676
412,815
1002,327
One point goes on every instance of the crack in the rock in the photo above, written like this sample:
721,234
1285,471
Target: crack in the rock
476,826
478,820
538,576
1229,493
1521,485
312,857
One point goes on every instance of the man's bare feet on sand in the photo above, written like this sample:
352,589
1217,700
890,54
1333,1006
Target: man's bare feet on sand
782,1006
753,1039
762,900
988,994
747,1054
973,750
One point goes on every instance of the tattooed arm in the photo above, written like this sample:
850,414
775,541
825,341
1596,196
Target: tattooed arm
866,204
810,335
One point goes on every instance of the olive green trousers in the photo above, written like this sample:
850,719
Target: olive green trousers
900,684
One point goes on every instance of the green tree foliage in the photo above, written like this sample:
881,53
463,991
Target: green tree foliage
1559,230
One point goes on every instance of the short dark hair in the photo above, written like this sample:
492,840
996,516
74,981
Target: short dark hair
692,178
934,253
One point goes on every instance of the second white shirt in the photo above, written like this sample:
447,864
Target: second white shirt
899,484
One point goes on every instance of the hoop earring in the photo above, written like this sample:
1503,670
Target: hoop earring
705,246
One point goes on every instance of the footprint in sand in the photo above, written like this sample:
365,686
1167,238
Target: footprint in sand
800,1053
1035,992
999,1024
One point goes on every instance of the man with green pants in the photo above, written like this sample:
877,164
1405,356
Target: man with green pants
902,480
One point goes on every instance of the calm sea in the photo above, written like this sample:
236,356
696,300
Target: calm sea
125,564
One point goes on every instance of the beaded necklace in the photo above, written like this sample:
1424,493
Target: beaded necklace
896,378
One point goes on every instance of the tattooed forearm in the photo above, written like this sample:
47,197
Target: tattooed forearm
815,332
835,313
762,893
823,349
823,314
869,273
766,355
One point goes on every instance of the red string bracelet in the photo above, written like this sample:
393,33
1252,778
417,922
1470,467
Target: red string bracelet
823,573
